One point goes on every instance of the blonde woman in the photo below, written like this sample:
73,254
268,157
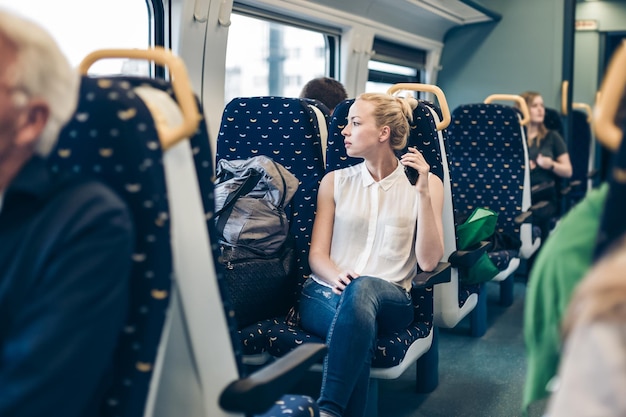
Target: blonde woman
372,229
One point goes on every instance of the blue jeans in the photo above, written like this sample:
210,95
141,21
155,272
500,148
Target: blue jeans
351,323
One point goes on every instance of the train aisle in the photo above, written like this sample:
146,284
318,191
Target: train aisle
478,377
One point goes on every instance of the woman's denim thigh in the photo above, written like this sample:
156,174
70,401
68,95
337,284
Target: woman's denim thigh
318,305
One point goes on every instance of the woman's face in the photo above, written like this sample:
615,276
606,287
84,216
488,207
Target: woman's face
537,110
361,132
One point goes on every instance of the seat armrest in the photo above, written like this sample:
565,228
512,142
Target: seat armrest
468,257
571,185
541,187
526,217
256,393
439,275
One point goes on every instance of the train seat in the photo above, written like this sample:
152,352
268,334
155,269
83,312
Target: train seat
129,134
221,378
110,137
335,151
323,119
582,155
489,169
396,353
454,300
287,130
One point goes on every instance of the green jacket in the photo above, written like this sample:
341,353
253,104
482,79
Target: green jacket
561,263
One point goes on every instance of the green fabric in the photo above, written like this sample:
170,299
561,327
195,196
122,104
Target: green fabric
561,263
482,271
480,225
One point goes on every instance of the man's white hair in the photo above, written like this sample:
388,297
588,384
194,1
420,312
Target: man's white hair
42,71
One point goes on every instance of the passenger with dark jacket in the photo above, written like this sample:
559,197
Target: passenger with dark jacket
66,243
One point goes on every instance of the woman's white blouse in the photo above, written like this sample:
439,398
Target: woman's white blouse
375,225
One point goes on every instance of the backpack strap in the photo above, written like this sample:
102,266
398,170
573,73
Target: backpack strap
224,213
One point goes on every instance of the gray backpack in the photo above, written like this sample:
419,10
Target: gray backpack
250,198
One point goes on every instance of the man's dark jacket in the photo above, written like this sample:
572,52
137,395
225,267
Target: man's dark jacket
65,257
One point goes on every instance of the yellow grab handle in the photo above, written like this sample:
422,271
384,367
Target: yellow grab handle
180,83
586,108
521,103
428,88
564,88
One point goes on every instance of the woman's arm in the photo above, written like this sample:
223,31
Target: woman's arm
429,239
562,166
319,254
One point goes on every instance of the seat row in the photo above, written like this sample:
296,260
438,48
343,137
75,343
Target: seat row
181,350
178,352
482,161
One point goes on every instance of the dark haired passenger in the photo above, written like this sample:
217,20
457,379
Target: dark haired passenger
66,243
372,228
328,91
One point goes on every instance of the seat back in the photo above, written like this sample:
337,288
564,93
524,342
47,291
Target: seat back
613,222
489,165
453,300
191,382
581,152
286,130
112,137
552,121
582,155
336,156
181,380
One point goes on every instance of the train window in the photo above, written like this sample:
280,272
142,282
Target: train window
275,57
393,63
82,26
382,75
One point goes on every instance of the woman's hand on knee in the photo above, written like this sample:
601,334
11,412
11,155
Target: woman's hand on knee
342,280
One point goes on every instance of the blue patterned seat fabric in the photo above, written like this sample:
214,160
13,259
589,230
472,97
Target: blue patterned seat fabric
112,136
203,160
427,126
613,222
325,110
390,348
286,130
581,150
581,156
335,151
488,165
295,405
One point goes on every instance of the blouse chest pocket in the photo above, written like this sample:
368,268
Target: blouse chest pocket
396,242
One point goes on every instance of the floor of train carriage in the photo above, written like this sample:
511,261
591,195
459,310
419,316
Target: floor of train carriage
478,377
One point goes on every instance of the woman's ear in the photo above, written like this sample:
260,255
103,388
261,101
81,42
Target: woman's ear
32,121
385,131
